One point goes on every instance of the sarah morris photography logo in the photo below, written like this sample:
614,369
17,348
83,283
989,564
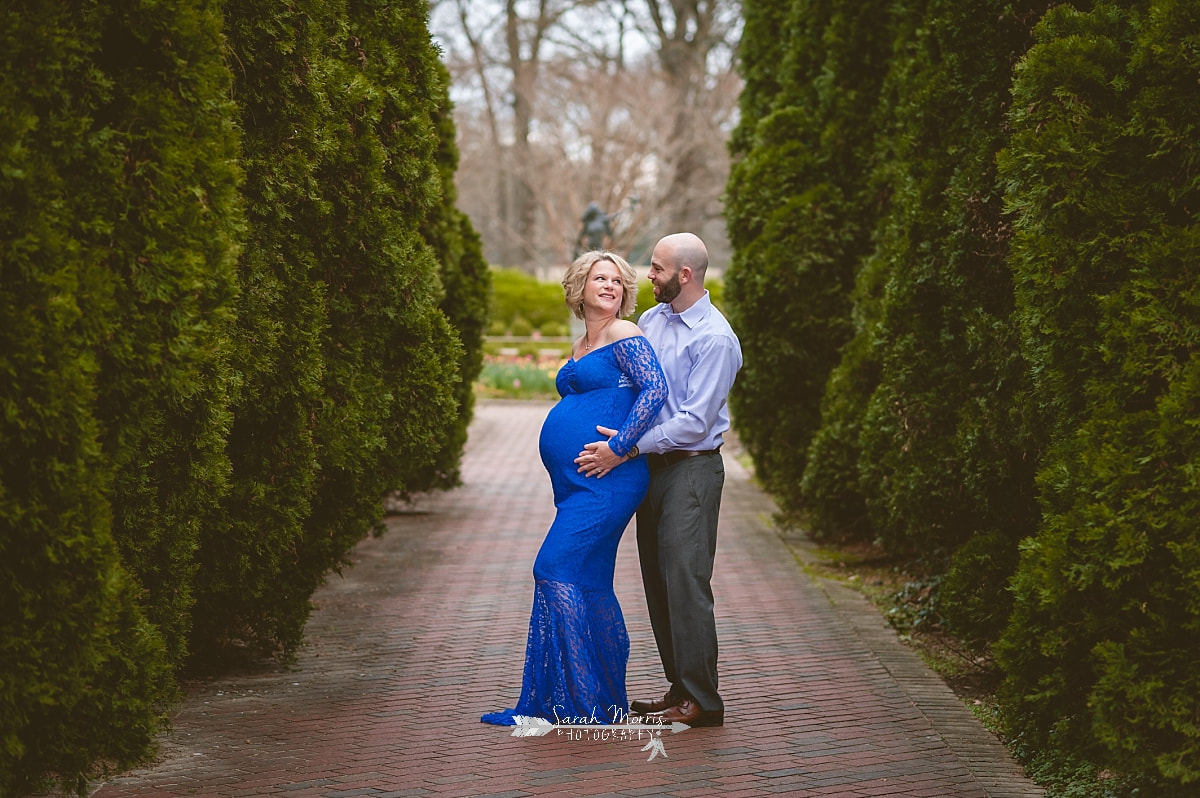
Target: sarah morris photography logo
623,727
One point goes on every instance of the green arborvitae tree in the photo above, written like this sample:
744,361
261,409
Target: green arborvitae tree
391,357
349,366
835,498
919,446
283,71
760,54
1100,655
799,215
169,241
466,279
118,216
835,501
941,452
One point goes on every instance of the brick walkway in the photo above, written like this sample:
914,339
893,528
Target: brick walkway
427,631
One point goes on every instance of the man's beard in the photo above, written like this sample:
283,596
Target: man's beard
666,291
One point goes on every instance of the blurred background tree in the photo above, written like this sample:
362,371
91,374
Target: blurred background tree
563,103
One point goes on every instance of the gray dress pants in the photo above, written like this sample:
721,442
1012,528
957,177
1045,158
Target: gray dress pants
677,542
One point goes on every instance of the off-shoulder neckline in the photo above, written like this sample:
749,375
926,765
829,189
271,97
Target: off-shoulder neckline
591,352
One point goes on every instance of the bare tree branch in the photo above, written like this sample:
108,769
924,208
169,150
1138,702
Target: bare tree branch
626,103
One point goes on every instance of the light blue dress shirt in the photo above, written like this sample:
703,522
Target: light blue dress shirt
700,356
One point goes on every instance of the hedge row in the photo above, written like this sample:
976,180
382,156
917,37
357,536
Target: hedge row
799,217
1011,394
521,304
1101,177
120,217
237,307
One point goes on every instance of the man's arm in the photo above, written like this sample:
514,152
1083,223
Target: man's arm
709,382
708,387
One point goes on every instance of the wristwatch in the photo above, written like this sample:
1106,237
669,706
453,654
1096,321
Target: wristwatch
633,453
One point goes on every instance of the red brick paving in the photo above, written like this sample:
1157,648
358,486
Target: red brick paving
427,631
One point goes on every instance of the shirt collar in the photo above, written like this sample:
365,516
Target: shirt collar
693,315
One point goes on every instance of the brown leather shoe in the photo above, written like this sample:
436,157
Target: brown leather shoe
689,712
646,707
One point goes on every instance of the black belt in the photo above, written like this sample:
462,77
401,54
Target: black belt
658,461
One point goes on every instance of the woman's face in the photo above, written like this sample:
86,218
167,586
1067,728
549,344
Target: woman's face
603,289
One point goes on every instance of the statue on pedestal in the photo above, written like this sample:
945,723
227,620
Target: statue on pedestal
596,232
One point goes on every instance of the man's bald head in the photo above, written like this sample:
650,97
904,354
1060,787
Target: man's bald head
677,268
686,249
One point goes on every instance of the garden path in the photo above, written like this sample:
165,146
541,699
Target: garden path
427,631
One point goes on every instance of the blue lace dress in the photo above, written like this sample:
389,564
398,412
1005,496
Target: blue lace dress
577,649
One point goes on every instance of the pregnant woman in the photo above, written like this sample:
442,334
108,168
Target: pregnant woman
577,649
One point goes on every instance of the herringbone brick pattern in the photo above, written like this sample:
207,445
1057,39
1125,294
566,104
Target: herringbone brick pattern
427,631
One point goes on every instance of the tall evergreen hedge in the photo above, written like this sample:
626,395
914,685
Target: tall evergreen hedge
351,372
467,287
799,215
943,341
1024,371
1101,653
173,217
287,125
834,497
391,356
946,458
119,217
194,432
916,446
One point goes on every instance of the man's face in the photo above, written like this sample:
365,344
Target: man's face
664,280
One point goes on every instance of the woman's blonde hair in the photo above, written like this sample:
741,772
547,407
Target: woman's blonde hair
577,274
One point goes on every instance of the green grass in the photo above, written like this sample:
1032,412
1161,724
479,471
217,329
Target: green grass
518,378
511,348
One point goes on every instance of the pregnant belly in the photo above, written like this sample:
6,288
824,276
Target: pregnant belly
581,545
571,424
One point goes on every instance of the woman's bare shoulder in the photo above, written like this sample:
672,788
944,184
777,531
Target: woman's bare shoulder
623,328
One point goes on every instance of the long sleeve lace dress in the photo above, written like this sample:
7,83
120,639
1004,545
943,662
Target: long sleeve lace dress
578,648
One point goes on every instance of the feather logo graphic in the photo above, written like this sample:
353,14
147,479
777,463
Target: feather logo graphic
531,727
